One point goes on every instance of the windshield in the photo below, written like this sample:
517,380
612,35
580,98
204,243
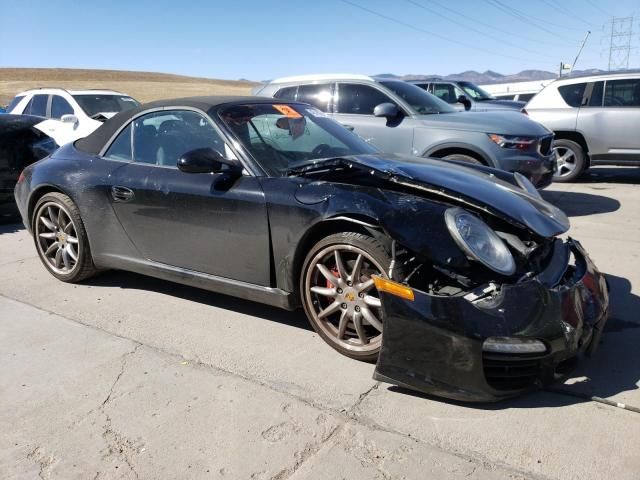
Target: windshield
422,102
281,136
475,91
93,104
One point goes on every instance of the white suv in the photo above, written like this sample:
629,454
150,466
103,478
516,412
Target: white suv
70,114
596,121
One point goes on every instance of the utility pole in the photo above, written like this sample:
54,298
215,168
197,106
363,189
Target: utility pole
620,44
573,65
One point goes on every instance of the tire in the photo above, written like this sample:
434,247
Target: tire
59,237
351,302
461,157
571,160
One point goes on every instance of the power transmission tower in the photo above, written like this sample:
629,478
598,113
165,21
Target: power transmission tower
620,45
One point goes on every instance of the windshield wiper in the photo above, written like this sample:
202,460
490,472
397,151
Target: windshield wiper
328,164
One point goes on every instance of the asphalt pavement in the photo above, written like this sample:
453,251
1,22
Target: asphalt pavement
125,376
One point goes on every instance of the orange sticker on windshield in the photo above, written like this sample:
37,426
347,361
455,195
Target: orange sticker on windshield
287,111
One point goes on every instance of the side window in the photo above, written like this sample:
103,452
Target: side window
525,97
572,94
622,93
14,102
359,99
120,149
60,107
595,100
161,138
317,95
287,93
38,105
445,91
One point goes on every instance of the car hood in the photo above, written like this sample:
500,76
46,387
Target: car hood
463,185
505,122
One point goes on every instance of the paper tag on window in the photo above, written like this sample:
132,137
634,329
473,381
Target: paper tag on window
287,111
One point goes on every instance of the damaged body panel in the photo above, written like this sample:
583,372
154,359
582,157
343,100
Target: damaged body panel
434,344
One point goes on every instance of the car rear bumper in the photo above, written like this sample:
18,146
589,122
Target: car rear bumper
434,344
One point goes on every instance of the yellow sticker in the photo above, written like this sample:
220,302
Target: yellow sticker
287,111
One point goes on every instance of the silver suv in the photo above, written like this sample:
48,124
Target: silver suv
596,120
398,117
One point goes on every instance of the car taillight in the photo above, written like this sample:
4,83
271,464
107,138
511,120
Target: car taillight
524,110
21,177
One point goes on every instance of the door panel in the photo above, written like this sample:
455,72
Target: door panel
195,221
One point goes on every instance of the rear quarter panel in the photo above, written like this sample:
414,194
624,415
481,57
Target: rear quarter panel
85,179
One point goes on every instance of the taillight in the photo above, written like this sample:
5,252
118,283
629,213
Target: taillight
524,110
21,177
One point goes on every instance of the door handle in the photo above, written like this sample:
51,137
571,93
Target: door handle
121,194
351,128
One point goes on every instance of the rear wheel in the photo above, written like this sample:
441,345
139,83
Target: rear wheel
339,296
60,238
570,158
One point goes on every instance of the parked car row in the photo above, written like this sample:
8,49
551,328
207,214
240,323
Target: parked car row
400,117
287,199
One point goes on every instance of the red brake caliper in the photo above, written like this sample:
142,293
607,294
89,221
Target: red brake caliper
335,274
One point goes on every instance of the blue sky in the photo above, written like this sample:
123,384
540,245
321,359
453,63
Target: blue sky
265,39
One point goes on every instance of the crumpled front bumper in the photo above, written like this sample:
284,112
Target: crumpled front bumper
434,344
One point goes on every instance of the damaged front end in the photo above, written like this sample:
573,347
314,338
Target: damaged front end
496,340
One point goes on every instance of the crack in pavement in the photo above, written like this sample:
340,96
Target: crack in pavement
347,415
44,462
117,443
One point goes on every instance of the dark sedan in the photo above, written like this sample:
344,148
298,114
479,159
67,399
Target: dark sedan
21,143
272,201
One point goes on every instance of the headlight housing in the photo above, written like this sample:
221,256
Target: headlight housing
478,241
512,141
526,185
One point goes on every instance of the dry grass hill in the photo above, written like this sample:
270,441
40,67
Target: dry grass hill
143,86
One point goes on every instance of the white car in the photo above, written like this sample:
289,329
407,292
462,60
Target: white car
70,114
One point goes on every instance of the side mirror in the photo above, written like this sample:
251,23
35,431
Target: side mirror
464,100
206,160
69,118
387,110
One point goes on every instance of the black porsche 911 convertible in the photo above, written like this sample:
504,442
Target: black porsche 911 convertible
461,267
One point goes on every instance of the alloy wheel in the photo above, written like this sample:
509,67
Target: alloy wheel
343,299
57,238
566,161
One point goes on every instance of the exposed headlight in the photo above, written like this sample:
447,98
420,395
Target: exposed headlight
478,241
512,141
526,185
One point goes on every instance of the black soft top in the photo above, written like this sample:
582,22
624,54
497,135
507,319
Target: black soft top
94,142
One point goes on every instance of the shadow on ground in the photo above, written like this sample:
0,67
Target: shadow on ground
127,280
576,204
9,225
630,175
613,369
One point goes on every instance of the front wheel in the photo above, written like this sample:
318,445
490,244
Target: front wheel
570,159
61,239
339,296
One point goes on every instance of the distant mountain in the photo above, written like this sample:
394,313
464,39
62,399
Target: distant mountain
489,77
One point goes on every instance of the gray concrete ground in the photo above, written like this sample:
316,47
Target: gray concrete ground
129,377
